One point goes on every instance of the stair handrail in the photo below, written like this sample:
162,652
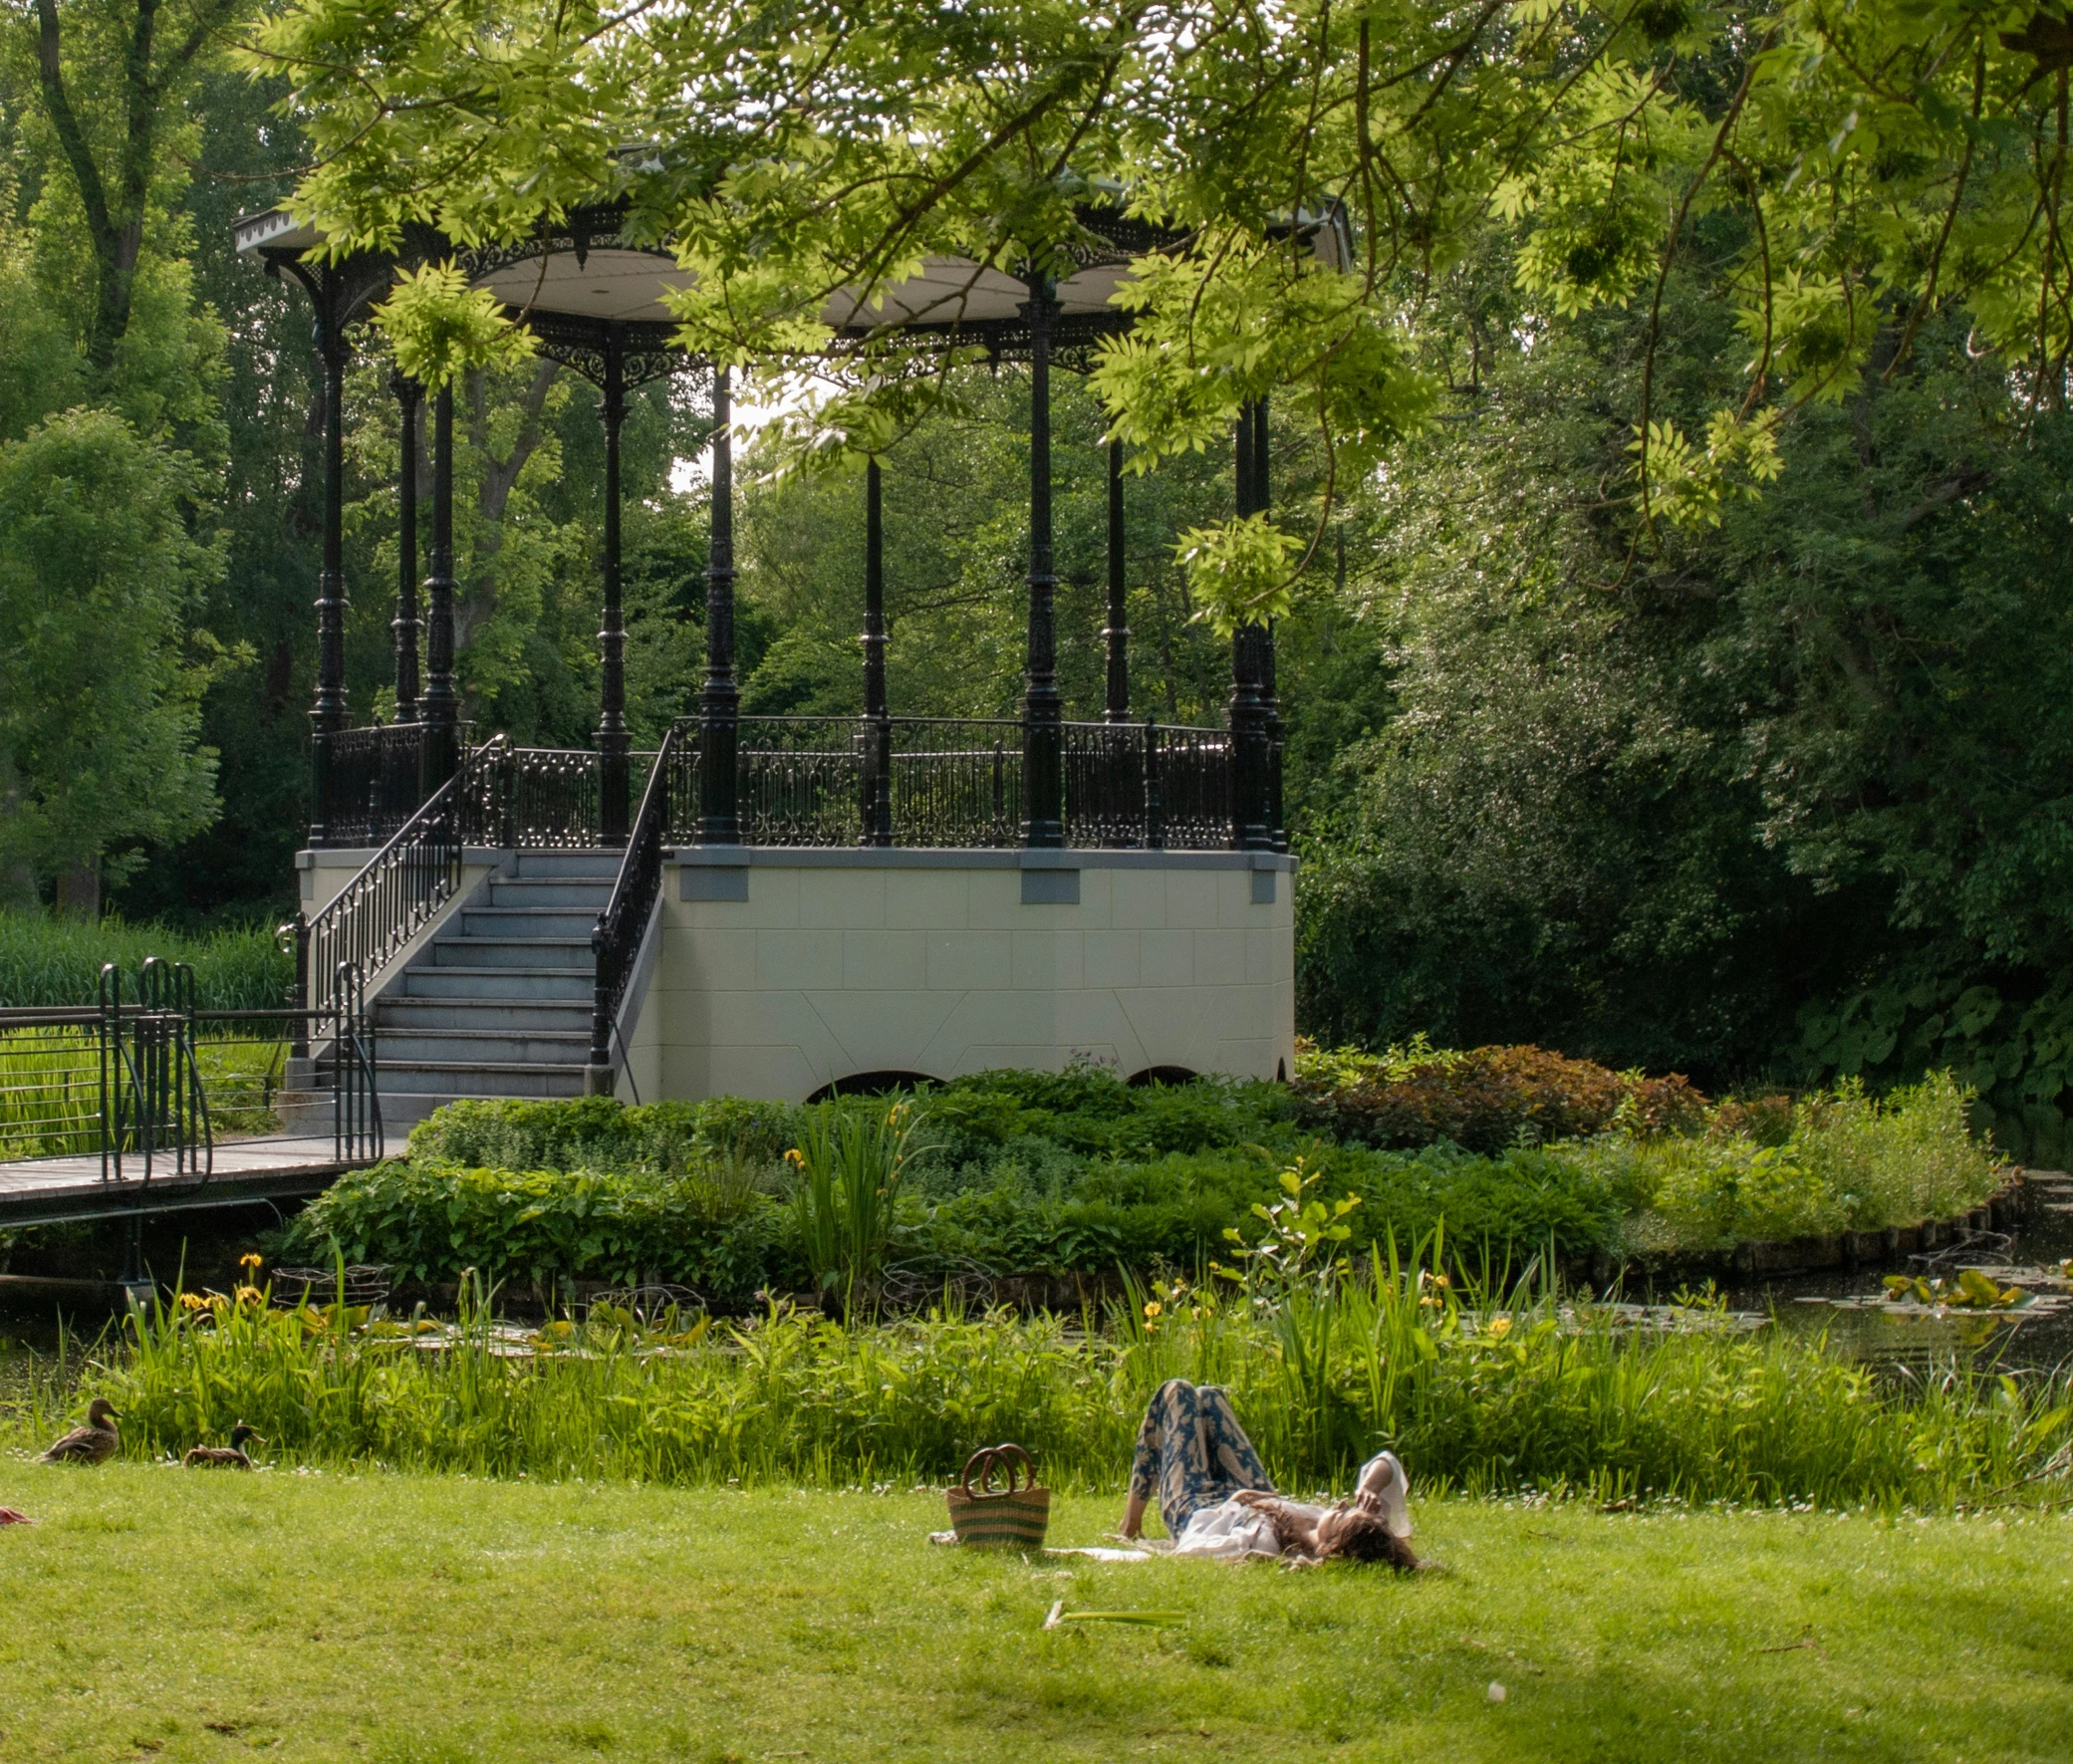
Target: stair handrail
616,941
397,891
356,1090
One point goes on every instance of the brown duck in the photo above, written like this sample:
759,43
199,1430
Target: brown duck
222,1458
95,1443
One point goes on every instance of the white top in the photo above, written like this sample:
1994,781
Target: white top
1233,1530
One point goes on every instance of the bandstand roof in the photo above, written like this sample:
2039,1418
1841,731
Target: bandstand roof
579,280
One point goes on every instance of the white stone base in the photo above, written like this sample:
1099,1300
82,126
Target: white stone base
781,971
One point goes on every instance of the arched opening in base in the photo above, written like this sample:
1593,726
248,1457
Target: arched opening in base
870,1084
1153,1075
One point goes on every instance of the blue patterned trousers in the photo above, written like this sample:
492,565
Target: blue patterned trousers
1191,1453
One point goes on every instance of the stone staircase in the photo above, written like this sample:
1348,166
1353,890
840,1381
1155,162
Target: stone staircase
499,1005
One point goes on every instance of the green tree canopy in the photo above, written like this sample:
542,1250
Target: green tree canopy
100,708
1884,163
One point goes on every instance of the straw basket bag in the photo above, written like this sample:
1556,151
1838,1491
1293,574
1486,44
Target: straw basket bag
1015,1517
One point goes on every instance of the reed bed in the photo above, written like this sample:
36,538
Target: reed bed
48,961
50,1089
50,1093
1481,1387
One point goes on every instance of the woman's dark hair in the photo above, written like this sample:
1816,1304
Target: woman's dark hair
1362,1537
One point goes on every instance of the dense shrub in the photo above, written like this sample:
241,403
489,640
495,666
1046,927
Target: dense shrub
1073,1172
712,1230
1834,1162
599,1132
1484,1101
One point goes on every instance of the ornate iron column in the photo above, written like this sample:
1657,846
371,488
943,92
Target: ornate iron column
613,743
878,724
719,705
327,714
1043,716
1249,709
1262,501
1115,633
409,396
441,704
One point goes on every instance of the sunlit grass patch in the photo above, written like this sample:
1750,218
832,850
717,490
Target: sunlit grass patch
436,1618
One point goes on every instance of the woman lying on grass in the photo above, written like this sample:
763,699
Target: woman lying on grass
1216,1500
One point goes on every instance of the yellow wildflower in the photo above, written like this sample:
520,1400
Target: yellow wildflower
250,1259
1500,1326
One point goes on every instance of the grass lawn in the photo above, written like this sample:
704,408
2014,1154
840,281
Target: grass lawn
154,1612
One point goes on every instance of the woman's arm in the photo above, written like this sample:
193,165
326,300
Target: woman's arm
1293,1530
1133,1515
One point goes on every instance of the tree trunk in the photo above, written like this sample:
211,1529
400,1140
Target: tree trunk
79,891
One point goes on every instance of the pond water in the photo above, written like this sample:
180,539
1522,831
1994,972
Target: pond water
1853,1309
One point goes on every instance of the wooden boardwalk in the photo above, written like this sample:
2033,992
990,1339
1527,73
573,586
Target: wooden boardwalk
46,1191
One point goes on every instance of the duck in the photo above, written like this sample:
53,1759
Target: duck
223,1457
95,1443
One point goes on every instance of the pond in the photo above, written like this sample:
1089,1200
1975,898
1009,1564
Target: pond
1859,1318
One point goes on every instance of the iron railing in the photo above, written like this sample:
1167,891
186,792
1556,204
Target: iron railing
147,1090
799,780
374,781
1191,770
616,941
956,782
544,799
403,887
943,782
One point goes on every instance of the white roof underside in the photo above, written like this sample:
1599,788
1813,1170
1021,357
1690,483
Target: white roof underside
613,283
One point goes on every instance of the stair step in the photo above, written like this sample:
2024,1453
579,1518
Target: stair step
596,866
533,985
480,1016
402,1047
514,952
485,1078
527,921
584,896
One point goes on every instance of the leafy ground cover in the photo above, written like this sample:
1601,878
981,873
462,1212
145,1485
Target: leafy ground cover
191,1618
53,961
1022,1172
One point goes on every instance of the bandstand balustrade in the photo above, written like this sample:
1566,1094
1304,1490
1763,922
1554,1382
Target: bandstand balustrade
1033,780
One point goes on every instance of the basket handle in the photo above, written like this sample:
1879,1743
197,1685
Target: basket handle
1006,1458
980,1461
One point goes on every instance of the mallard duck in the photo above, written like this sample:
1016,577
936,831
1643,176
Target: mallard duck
223,1457
95,1443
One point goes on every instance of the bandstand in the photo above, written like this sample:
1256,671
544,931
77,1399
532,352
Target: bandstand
773,905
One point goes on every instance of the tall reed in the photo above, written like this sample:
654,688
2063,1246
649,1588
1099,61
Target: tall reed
51,961
849,1166
1480,1385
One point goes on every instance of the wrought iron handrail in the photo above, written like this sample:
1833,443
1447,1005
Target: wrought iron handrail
616,939
127,1085
374,918
374,781
355,1091
161,1109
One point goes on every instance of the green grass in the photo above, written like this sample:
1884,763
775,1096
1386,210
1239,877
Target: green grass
51,961
193,1618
